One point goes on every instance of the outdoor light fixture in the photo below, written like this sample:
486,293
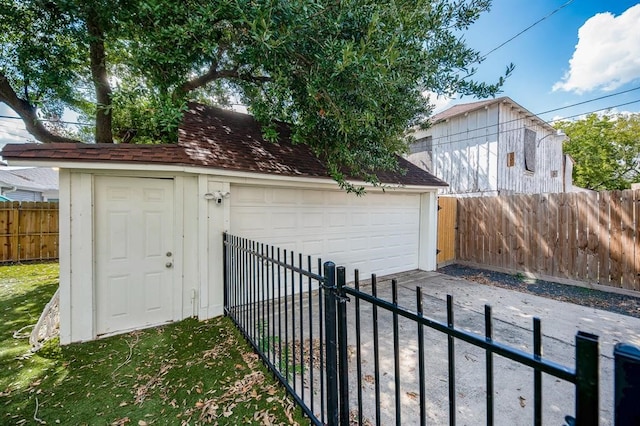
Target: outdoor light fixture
217,195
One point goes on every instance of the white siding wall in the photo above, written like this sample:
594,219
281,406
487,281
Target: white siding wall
465,150
470,153
549,156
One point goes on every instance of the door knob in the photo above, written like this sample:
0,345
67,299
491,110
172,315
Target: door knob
168,264
169,254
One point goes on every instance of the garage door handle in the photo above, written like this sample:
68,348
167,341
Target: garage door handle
168,264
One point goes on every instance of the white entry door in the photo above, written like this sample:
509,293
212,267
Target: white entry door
134,253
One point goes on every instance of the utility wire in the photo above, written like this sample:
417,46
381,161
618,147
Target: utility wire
528,28
532,115
515,128
50,121
590,100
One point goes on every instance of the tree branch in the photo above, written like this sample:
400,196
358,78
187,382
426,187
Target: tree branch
213,74
28,114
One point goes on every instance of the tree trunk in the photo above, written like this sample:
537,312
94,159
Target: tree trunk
100,79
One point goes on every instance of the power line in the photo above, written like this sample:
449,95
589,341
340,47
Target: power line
590,100
528,28
50,121
515,128
536,115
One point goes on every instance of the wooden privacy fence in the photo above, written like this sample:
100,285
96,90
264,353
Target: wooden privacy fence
28,231
591,237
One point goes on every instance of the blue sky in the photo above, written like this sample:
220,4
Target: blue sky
586,50
602,38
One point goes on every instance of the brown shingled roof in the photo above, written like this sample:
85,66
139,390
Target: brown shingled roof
215,138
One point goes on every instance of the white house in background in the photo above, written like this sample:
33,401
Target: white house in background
29,184
141,225
493,147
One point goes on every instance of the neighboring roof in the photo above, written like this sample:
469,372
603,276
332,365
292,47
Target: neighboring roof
464,108
214,138
461,109
32,179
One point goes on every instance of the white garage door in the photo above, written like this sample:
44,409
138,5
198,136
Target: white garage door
134,237
377,233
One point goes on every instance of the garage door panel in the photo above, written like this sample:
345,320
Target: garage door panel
284,196
312,247
284,221
377,232
312,220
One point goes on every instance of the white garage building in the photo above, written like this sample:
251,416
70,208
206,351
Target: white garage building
141,225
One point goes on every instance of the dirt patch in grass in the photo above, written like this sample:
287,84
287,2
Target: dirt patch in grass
189,372
612,302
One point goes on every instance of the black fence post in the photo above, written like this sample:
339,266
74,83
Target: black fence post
225,273
343,363
331,366
627,384
587,388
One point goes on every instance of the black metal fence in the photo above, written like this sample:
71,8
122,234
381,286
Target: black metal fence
351,357
274,297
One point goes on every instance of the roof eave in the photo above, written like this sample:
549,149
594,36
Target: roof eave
175,168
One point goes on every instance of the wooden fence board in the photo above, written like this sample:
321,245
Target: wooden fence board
541,230
527,234
563,249
636,256
593,236
552,237
604,239
582,233
572,236
615,256
628,241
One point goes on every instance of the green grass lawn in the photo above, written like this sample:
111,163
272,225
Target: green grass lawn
186,373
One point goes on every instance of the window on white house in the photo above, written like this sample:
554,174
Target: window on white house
421,145
424,145
529,150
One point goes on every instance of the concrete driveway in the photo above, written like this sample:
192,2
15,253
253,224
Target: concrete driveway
512,321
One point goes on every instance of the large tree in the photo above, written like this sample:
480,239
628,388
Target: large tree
606,150
349,75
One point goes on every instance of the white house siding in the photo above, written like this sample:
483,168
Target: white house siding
470,153
23,195
465,150
549,157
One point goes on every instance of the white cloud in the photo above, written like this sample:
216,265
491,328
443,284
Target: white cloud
607,55
439,102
